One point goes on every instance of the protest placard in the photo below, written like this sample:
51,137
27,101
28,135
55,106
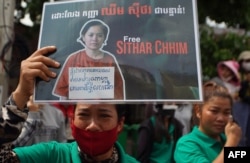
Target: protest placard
122,51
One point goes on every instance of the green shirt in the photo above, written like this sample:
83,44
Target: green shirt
197,147
162,152
54,152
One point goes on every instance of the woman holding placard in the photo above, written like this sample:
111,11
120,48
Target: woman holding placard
95,127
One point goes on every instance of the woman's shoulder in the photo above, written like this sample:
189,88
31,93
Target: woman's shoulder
187,138
49,151
81,52
124,157
190,137
130,159
75,57
52,145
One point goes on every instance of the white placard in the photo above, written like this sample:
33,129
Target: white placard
91,82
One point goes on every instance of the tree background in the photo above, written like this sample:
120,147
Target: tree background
215,44
230,42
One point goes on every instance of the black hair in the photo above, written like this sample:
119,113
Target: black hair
160,130
212,89
95,23
121,110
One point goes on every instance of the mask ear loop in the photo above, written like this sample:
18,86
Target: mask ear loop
121,122
71,118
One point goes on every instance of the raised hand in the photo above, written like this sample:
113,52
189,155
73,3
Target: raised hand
37,65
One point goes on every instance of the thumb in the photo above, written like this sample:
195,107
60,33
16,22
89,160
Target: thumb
229,124
230,119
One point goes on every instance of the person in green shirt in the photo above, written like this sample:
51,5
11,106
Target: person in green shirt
157,135
95,127
215,129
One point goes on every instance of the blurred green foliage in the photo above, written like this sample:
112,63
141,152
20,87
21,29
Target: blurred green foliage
216,47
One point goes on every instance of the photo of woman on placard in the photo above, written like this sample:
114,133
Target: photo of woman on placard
93,36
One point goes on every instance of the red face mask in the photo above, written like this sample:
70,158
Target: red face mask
94,143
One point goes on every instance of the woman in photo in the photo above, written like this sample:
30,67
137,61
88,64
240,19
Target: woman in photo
93,36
